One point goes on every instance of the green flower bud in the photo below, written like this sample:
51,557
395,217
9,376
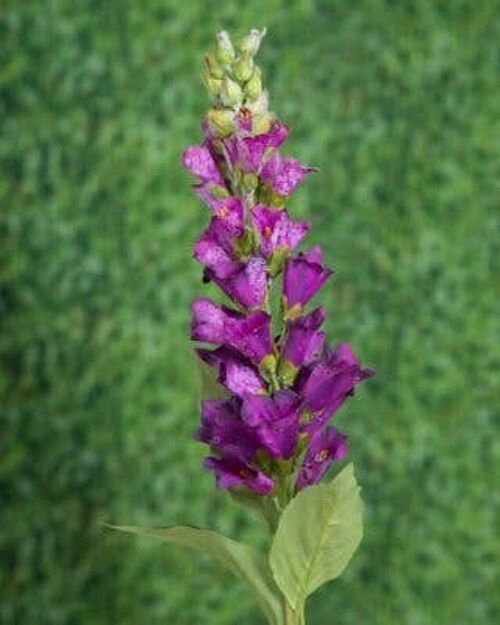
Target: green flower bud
253,88
249,182
260,105
231,94
277,261
251,43
287,373
261,123
243,68
218,191
225,50
212,67
221,122
213,86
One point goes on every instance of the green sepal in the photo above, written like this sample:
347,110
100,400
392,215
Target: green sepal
287,372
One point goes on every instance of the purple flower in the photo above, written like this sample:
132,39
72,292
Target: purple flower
215,248
250,334
235,372
250,153
275,421
230,472
224,430
284,174
277,230
304,341
326,447
199,160
303,277
247,286
329,382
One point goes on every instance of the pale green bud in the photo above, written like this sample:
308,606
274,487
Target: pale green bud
261,123
213,86
225,50
231,94
219,191
251,43
249,182
221,121
287,373
213,68
260,105
253,88
243,68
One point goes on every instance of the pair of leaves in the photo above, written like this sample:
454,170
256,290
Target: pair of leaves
316,537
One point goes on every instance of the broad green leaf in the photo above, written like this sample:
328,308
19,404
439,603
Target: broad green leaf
208,384
318,533
240,559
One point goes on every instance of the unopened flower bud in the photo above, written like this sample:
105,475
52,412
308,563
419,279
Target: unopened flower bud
213,68
261,123
249,182
221,122
251,43
225,50
231,94
253,88
260,105
213,86
243,68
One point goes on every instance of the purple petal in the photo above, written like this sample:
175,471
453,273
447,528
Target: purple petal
304,341
276,230
303,277
248,286
235,372
199,161
209,322
231,472
326,446
284,174
250,153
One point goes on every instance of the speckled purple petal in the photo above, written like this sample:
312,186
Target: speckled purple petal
326,446
277,230
199,161
303,277
248,286
284,174
235,372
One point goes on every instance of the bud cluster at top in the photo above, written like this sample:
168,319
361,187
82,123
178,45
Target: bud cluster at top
270,433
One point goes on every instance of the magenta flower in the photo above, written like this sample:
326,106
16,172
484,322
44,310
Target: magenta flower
303,277
247,286
276,230
284,174
251,153
235,372
326,447
304,341
199,161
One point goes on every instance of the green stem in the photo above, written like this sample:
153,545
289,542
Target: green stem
294,617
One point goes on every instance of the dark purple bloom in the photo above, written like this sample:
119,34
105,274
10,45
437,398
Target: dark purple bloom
303,277
329,382
199,160
224,430
326,447
304,341
248,286
275,421
277,230
235,372
250,334
230,472
284,174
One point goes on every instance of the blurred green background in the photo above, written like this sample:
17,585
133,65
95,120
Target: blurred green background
399,104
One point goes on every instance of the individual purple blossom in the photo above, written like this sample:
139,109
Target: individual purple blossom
326,447
304,341
198,159
303,277
247,286
251,153
235,372
231,472
276,230
275,421
328,382
250,334
284,174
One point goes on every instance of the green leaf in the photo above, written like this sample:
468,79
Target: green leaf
240,559
318,533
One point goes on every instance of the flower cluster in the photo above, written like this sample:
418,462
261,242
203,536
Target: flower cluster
270,434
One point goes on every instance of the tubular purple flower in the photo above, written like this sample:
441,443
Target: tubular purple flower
247,286
303,277
277,230
284,174
304,342
326,447
235,372
231,472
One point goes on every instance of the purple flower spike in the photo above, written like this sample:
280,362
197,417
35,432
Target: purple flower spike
284,174
277,230
231,472
276,422
304,341
303,277
199,161
235,372
329,382
248,286
326,447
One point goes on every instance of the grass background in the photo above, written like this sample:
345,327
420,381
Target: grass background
399,104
